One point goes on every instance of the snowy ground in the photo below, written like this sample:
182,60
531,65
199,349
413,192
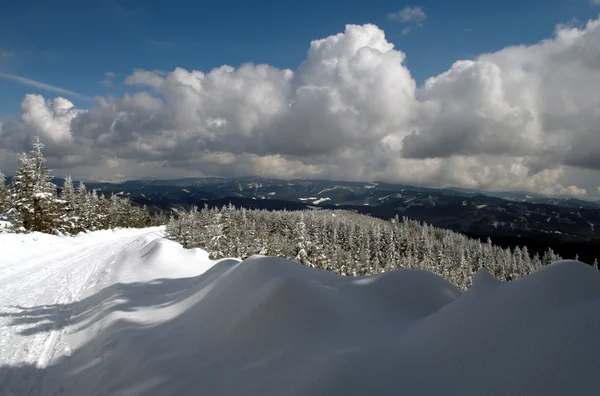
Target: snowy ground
128,313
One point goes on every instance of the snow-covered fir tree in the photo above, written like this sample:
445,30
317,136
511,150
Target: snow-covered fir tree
34,205
68,219
3,193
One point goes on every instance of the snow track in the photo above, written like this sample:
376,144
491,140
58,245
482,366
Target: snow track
33,297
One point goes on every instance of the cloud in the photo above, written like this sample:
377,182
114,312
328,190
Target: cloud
44,86
523,118
413,17
528,101
161,44
595,2
109,79
409,15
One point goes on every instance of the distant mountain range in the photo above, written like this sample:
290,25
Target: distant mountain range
476,213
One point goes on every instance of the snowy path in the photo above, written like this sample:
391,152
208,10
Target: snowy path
48,280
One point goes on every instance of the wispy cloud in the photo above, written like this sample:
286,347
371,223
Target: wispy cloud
6,54
409,15
109,79
413,17
159,43
44,86
595,2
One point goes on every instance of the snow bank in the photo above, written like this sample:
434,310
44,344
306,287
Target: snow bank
20,252
139,315
4,226
269,326
150,258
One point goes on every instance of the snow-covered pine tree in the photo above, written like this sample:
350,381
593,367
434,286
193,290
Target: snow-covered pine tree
46,205
20,194
3,193
34,205
93,211
68,217
81,207
302,242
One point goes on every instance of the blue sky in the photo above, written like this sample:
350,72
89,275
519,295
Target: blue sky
72,44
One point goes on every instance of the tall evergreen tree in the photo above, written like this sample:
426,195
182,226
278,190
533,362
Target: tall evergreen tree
44,194
33,195
68,217
20,194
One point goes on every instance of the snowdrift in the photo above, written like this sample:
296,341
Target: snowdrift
170,322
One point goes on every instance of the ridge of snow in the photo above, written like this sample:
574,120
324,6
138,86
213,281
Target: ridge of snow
128,312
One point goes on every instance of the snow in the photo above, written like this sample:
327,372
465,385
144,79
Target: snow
321,200
128,312
4,226
334,188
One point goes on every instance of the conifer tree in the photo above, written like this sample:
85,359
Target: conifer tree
20,194
68,217
45,200
81,207
3,194
68,191
33,195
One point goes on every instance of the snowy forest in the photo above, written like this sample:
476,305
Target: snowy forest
343,242
31,202
349,244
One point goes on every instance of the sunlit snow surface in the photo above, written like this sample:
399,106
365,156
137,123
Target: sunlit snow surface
128,313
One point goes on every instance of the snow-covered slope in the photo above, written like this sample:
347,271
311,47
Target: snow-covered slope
129,313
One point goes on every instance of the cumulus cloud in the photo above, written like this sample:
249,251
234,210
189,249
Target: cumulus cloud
523,118
525,101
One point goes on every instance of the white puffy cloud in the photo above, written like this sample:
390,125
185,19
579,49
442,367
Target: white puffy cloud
523,118
52,119
536,101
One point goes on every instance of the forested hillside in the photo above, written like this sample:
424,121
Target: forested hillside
350,244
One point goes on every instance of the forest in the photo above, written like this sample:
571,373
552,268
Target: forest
350,244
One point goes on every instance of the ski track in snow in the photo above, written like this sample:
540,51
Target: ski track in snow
47,283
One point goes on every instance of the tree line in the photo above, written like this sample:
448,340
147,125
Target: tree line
32,202
349,244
